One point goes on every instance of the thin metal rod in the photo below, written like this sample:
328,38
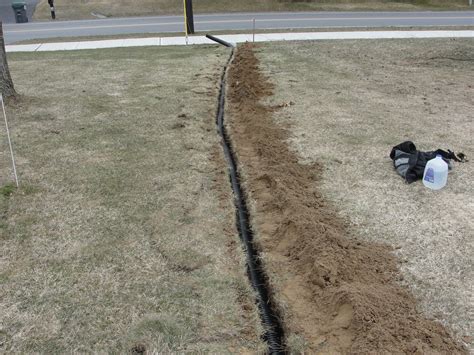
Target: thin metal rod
253,37
9,141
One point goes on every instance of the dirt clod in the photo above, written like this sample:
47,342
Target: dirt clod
339,293
139,349
178,125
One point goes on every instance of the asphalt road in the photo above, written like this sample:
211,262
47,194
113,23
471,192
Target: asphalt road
6,11
234,21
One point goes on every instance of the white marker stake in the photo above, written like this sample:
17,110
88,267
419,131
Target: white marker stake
9,141
253,32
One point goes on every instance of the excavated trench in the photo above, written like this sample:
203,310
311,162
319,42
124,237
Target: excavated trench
317,283
273,330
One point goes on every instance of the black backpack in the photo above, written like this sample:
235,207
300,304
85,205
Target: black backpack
410,163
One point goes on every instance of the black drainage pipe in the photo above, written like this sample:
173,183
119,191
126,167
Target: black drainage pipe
273,329
220,41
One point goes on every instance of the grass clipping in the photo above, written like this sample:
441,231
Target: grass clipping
336,293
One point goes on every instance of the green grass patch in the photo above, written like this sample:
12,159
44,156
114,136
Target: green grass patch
7,190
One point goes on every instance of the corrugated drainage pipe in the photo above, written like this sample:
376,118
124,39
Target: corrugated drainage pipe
220,41
273,328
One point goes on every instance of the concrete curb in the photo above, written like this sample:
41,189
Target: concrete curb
237,38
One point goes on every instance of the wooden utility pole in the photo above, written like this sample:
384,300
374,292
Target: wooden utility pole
6,84
189,16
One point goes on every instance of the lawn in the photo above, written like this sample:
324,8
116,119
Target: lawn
352,101
121,236
73,9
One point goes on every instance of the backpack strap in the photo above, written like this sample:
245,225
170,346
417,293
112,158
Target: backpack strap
416,167
460,157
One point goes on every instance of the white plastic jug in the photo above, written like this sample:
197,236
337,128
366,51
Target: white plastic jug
436,173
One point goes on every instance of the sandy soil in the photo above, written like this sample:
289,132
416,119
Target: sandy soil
336,293
353,101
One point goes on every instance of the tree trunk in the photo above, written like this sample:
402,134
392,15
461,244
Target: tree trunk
6,83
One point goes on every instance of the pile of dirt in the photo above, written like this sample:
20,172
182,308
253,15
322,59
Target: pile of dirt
338,293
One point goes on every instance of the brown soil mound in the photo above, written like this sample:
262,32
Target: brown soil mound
339,293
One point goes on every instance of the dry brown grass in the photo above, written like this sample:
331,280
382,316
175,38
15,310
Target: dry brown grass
117,239
354,100
74,9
